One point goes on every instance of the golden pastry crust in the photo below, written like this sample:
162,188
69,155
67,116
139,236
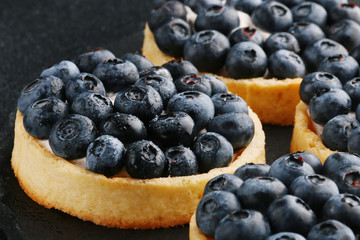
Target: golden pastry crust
121,202
273,100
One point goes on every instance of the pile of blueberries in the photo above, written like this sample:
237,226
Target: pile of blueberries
306,36
295,198
165,120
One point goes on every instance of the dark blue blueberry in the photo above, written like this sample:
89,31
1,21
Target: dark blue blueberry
357,113
345,32
138,60
88,61
251,170
217,86
286,236
352,88
288,167
84,82
344,208
172,129
331,230
71,135
142,101
291,3
281,40
212,208
156,70
207,50
228,102
246,34
41,116
171,36
42,87
65,70
198,105
286,64
223,182
116,74
291,214
243,224
237,127
127,128
212,151
347,178
180,161
355,53
327,104
105,155
197,5
259,192
312,160
353,141
272,16
246,6
337,131
310,12
246,60
180,67
144,160
315,190
306,33
316,82
344,10
329,4
337,160
193,82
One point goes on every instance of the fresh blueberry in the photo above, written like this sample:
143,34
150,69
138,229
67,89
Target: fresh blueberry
116,73
272,16
156,70
353,142
71,135
352,88
197,5
347,178
223,182
338,159
345,32
228,102
316,82
291,3
329,4
357,113
286,64
212,208
251,170
237,127
105,155
328,103
331,230
207,50
286,236
217,86
41,116
246,60
138,60
281,40
288,167
127,128
144,160
180,161
310,12
355,53
212,151
344,11
65,70
312,160
306,33
291,214
180,67
142,101
246,34
88,61
193,82
42,87
243,224
246,6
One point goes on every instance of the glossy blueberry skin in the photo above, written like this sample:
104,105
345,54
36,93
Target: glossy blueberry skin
193,82
84,82
344,11
272,16
212,151
180,161
87,62
259,192
286,64
288,167
197,5
156,70
127,128
312,160
116,74
180,67
331,230
352,88
172,129
337,131
243,224
345,32
246,34
317,51
347,178
212,208
281,40
142,101
144,160
171,36
310,12
246,6
105,155
138,60
353,143
285,236
42,87
251,170
291,214
338,159
345,208
71,135
217,17
314,189
198,105
223,182
41,116
207,50
316,82
237,127
65,70
306,33
246,60
217,86
228,102
328,104
329,4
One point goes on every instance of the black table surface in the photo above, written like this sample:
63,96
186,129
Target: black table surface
37,34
